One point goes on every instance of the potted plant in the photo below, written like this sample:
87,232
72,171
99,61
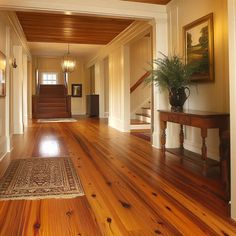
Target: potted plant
171,73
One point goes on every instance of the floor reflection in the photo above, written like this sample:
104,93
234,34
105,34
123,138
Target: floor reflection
49,147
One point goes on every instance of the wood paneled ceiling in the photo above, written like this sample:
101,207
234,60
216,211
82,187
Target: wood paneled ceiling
161,2
59,28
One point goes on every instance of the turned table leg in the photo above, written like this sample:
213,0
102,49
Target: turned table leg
163,136
181,138
204,150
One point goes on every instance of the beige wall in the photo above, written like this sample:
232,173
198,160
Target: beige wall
140,61
47,64
210,96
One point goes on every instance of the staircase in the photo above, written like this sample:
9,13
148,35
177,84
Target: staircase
143,119
52,101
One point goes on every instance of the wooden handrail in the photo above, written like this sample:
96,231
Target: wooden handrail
140,81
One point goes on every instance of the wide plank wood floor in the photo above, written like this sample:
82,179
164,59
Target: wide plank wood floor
130,189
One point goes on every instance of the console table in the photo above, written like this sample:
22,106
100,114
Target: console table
200,119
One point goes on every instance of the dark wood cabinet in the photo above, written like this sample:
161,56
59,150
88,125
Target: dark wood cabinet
92,105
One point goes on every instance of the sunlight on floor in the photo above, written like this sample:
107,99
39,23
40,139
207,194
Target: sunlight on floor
49,148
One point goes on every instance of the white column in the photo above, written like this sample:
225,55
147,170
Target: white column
232,81
8,103
119,89
17,82
29,72
160,100
125,89
25,91
99,86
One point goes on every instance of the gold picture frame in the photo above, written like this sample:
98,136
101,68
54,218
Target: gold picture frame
2,75
199,48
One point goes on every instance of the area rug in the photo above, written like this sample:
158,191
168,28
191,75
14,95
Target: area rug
56,120
40,178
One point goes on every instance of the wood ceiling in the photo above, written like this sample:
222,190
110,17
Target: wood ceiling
162,2
58,28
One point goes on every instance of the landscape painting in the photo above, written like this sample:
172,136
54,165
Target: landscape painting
2,75
198,39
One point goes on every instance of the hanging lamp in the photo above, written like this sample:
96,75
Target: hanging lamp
68,62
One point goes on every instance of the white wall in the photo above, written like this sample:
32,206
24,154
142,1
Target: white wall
9,118
119,75
208,96
232,75
140,62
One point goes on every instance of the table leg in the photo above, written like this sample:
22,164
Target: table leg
163,136
221,151
204,149
181,138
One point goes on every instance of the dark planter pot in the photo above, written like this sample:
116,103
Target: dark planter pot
177,98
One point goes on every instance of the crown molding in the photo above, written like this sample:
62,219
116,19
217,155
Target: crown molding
136,30
113,8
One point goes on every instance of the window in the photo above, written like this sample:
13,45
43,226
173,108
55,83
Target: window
49,78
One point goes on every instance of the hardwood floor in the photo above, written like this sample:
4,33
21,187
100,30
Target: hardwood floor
130,189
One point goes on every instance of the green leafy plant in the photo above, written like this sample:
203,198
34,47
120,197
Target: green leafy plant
170,72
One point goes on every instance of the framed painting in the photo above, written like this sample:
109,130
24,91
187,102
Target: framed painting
2,75
76,90
198,48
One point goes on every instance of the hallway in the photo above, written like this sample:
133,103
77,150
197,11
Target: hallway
130,189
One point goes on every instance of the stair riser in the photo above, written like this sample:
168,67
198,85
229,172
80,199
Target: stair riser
51,100
144,118
146,111
140,127
51,105
52,115
49,110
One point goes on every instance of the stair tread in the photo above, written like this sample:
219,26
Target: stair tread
138,122
148,108
142,114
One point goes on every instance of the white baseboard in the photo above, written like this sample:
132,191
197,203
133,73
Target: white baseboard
3,147
212,152
2,156
18,128
118,124
25,118
156,140
144,126
77,113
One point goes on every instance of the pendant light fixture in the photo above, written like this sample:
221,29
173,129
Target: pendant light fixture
68,62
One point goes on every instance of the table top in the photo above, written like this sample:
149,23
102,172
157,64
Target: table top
196,113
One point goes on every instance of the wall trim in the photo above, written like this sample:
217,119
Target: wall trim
212,153
15,24
3,147
89,7
77,112
3,156
18,128
118,124
134,31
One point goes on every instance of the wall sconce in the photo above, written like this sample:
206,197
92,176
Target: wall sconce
14,65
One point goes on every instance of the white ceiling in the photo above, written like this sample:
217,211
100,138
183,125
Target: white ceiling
59,49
